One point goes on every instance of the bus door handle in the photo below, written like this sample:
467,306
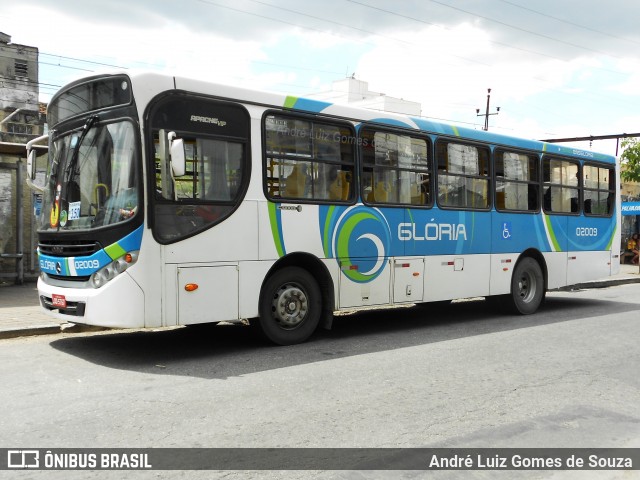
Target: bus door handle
297,208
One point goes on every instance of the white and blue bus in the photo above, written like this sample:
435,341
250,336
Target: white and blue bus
171,201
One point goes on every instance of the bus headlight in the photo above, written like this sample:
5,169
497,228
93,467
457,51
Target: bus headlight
113,269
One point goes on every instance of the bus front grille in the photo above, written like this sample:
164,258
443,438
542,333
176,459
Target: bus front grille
68,249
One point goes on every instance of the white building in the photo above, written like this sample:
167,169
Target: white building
351,91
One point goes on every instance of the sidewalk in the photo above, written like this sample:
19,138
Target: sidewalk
20,312
21,315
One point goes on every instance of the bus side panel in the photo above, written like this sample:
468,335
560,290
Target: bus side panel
556,269
232,240
442,232
269,233
252,275
300,227
169,295
502,265
450,276
148,272
207,294
288,227
369,291
591,240
591,233
516,232
585,266
408,280
210,248
334,270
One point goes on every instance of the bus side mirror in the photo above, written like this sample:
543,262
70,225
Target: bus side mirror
176,151
31,165
32,155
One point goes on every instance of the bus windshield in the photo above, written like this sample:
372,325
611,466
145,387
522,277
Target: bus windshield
93,177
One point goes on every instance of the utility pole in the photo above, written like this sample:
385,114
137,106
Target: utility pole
486,114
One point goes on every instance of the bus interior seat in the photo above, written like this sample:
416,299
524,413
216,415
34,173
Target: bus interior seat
380,193
296,182
339,188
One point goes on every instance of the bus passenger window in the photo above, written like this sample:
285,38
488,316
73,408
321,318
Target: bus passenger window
560,185
216,172
396,168
308,160
599,190
517,181
463,176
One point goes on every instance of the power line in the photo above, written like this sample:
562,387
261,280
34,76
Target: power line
541,35
66,66
328,21
538,78
590,138
570,23
80,60
209,2
494,42
425,22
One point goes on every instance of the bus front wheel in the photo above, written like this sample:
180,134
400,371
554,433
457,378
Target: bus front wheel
290,306
527,287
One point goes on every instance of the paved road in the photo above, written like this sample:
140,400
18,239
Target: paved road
461,376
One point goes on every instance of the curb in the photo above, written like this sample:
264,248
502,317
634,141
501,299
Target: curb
598,284
48,330
29,331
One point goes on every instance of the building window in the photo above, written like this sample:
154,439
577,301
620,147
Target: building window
19,129
21,69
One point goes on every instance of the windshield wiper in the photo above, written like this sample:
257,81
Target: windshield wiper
71,166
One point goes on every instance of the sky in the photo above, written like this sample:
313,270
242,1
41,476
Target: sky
556,68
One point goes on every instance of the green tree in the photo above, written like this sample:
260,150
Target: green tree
630,160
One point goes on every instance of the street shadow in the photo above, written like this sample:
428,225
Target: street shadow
223,351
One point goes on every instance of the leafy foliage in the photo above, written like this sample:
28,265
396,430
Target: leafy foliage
630,160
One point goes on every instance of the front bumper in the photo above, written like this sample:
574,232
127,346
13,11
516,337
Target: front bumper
118,304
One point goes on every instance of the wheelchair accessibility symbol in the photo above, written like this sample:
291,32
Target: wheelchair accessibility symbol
506,230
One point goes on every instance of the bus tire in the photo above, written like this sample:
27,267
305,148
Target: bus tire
290,306
527,287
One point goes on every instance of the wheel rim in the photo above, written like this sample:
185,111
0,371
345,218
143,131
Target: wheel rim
290,306
527,287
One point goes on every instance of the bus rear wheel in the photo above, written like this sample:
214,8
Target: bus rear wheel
290,306
527,287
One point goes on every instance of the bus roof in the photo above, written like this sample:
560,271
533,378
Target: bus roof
152,83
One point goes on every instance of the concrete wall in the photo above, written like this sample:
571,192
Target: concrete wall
22,118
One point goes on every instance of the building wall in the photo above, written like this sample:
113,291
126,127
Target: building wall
22,118
354,92
18,75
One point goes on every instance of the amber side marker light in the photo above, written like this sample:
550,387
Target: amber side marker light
191,287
